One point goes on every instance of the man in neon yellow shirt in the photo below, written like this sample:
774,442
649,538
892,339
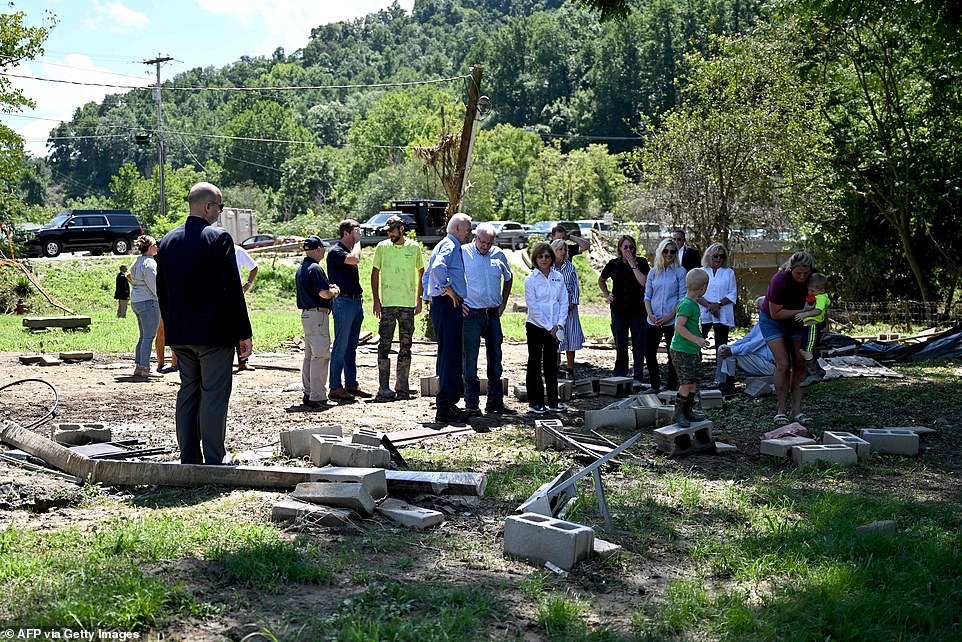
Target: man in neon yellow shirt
396,284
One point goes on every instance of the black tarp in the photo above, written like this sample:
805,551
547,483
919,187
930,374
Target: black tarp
945,345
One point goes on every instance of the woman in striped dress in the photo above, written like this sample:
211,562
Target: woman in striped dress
574,336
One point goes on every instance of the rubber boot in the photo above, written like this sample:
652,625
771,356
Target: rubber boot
692,413
680,417
384,382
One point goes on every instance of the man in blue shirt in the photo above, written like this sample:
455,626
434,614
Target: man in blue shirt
444,286
342,260
314,297
488,278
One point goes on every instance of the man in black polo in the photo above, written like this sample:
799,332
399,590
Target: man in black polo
342,261
314,296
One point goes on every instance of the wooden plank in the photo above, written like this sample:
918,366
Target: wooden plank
56,322
413,482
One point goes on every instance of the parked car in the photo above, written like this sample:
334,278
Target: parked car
258,240
543,228
372,231
509,234
97,231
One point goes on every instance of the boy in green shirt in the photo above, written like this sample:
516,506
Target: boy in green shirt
686,347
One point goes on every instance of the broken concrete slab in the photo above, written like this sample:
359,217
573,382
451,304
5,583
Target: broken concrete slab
603,549
808,454
338,494
414,482
521,393
48,360
546,539
288,510
862,448
430,386
711,399
881,526
359,456
678,441
77,355
721,448
892,441
759,386
81,434
408,514
622,419
75,321
297,443
30,359
781,447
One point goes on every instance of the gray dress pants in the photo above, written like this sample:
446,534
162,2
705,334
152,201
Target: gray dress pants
206,380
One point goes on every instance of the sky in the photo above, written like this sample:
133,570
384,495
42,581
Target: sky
107,42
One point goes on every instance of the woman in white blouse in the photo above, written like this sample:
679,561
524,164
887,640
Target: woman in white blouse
547,299
717,304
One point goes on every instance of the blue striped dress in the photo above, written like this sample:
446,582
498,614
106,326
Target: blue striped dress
574,335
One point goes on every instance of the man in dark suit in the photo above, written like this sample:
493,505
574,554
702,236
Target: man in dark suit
205,317
690,257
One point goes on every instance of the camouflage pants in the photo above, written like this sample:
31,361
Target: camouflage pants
404,319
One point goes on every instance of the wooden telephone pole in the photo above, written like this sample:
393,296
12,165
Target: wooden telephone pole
467,137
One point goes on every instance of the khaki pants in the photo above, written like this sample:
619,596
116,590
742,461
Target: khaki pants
317,352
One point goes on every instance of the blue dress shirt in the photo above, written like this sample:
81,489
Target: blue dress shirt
445,268
483,274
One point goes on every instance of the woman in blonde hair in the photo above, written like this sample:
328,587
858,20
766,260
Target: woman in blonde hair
144,303
717,304
664,289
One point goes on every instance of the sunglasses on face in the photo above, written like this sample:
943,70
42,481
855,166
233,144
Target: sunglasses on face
545,256
669,251
718,256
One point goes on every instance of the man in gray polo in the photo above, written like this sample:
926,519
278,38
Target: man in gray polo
488,278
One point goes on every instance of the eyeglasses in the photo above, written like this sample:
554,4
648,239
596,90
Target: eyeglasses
545,256
220,206
669,251
718,256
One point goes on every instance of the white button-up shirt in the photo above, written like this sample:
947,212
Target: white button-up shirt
721,284
547,299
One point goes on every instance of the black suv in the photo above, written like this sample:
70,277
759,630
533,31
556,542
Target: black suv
95,230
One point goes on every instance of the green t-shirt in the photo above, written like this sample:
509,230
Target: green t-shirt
399,266
687,308
821,302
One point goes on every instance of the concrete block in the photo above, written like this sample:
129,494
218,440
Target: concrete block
721,448
546,539
627,402
623,419
77,355
892,441
288,510
881,526
430,386
759,386
782,446
297,443
584,387
664,416
542,439
645,417
712,399
320,449
48,360
484,385
615,386
367,437
339,495
604,549
862,448
808,454
408,515
81,434
667,397
678,441
918,430
359,456
647,401
521,393
374,480
566,389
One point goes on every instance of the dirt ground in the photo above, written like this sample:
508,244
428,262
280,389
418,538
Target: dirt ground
267,400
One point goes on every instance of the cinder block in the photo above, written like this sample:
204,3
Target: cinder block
615,386
645,417
359,456
546,539
566,389
623,419
430,386
782,446
712,399
81,434
484,385
664,416
408,515
291,509
321,446
759,386
584,387
627,402
521,393
367,437
918,430
678,441
542,439
892,441
374,480
339,495
667,397
862,448
648,401
807,454
297,443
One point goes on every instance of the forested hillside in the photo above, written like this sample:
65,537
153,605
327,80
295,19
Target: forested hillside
838,121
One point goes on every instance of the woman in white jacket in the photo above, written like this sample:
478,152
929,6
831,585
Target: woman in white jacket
717,304
547,299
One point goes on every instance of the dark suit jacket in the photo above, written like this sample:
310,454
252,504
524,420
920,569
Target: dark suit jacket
691,258
198,284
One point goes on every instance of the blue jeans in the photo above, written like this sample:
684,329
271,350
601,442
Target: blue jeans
348,315
480,324
148,319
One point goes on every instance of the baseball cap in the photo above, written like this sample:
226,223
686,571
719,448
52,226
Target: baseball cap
313,242
394,221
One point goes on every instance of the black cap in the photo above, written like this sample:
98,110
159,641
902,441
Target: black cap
394,221
313,242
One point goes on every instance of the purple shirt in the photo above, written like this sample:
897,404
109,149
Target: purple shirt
785,291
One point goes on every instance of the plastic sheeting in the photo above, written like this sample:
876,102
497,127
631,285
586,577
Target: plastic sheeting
947,345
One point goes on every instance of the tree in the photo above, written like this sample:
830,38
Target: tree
262,139
18,42
746,145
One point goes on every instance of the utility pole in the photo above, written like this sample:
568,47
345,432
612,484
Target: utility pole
160,133
467,135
